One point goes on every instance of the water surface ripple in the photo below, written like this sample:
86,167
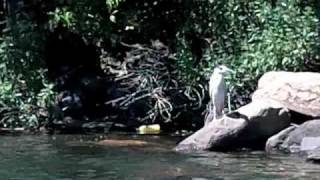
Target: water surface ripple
75,157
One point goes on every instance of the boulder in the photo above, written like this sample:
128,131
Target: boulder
299,91
248,127
274,142
306,138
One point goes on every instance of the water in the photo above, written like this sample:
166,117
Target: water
81,158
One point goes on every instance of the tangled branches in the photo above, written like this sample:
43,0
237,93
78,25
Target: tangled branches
148,76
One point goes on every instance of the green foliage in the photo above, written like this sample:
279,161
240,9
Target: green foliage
25,95
63,16
252,37
111,4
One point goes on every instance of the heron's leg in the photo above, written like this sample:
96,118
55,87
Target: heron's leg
207,115
214,112
229,102
210,113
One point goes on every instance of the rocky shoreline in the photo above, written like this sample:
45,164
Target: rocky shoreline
282,117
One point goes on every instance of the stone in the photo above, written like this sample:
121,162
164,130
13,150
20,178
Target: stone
292,143
216,133
310,143
274,142
248,127
298,91
314,156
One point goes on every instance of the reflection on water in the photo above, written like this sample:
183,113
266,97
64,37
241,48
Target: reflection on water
80,158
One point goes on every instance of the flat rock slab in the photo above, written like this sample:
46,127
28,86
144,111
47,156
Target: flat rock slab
248,127
310,143
298,91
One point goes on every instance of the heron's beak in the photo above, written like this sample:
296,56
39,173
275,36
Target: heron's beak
230,71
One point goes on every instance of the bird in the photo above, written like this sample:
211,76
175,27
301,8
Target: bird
217,90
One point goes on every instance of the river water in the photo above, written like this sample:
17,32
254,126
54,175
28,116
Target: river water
75,157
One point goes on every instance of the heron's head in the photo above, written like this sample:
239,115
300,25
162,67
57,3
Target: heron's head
223,70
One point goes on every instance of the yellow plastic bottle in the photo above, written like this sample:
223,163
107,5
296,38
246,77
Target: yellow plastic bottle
149,129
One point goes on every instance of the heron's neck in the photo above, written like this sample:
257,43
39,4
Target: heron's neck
217,76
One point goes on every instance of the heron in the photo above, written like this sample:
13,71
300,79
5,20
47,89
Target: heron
217,90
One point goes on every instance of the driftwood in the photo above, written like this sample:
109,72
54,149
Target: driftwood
149,74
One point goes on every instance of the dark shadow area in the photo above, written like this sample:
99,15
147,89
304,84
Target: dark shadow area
298,118
74,66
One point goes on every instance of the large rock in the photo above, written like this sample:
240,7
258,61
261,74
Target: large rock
306,137
247,127
299,91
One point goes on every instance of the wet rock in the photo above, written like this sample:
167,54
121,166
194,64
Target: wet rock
12,131
295,138
314,155
298,91
97,126
248,127
306,137
122,143
274,142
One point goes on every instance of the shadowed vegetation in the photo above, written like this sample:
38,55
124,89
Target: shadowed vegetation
69,63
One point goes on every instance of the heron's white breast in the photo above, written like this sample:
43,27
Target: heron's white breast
217,86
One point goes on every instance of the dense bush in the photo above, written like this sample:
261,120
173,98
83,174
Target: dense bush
27,98
251,37
25,95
